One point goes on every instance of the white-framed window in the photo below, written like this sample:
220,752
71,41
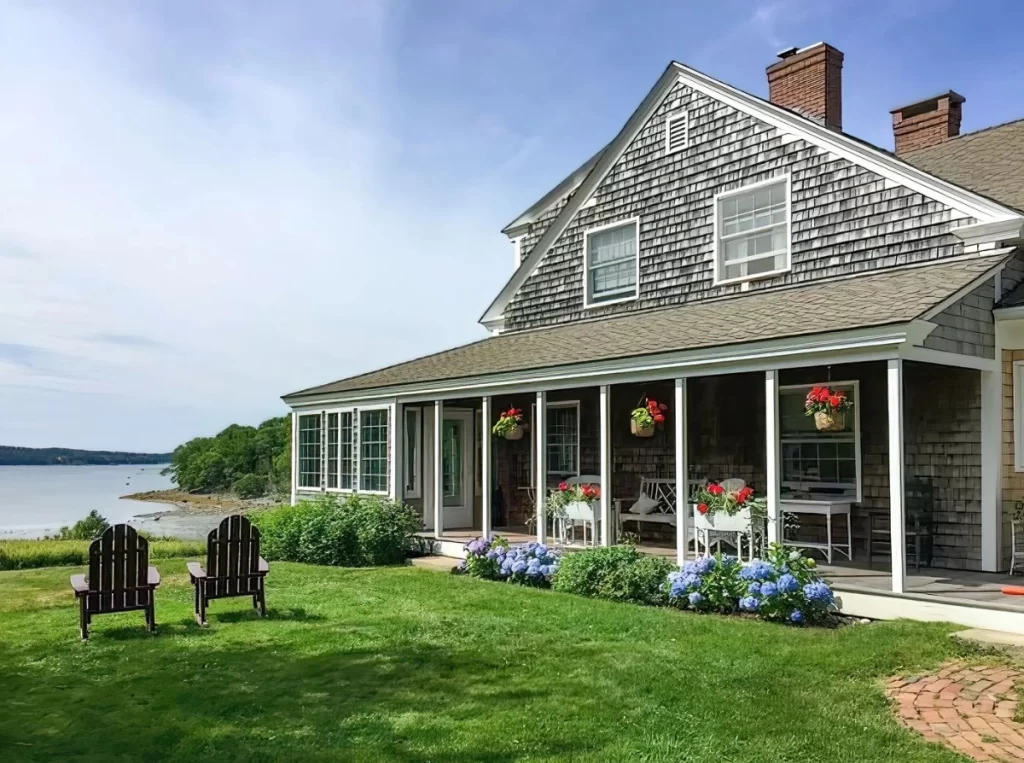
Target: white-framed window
373,450
332,450
752,231
412,434
1018,415
309,450
562,422
677,132
611,263
347,480
813,463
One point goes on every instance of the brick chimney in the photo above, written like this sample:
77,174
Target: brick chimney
927,123
810,82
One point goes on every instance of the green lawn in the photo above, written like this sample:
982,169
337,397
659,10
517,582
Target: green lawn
412,665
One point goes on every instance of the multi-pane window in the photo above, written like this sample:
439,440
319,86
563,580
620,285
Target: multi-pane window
309,450
332,450
753,232
373,448
813,462
611,257
348,460
411,454
562,424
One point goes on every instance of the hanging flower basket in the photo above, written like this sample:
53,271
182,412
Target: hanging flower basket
644,419
509,424
828,407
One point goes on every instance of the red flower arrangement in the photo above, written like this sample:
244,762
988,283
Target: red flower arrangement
508,423
647,417
828,406
567,494
713,498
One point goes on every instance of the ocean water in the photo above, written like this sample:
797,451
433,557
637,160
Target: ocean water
39,500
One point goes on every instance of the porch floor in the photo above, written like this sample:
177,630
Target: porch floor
980,587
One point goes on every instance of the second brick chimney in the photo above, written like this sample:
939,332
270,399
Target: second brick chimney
810,82
927,123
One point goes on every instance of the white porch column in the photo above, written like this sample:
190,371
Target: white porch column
540,467
487,520
295,456
897,525
396,478
438,469
991,462
771,427
682,475
606,466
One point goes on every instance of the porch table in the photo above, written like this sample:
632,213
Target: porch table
827,509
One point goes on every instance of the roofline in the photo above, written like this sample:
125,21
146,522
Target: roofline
883,163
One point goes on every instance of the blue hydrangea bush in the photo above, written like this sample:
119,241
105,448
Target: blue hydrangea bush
532,564
783,587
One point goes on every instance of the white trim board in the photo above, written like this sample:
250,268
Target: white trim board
858,601
791,125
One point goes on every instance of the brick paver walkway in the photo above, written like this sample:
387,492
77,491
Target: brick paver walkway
971,709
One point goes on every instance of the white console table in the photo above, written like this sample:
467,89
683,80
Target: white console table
827,509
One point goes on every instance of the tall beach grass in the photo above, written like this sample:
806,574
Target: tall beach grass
29,554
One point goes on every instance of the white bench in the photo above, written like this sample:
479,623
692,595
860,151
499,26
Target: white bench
660,490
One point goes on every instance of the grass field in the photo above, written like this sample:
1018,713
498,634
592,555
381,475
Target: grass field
405,664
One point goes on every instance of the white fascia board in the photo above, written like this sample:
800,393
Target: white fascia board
1008,313
856,345
791,126
995,232
367,402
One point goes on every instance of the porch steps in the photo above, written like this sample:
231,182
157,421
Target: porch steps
436,563
1011,642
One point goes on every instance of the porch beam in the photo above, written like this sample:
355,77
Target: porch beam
771,420
540,471
897,524
991,462
486,509
682,473
606,466
438,469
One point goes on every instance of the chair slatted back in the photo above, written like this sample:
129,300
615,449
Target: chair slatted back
233,558
118,571
661,490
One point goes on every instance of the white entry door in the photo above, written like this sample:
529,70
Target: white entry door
457,469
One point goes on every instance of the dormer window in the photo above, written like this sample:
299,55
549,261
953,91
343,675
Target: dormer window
677,132
752,237
611,263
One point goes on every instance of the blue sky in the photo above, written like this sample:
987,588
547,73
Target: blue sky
206,205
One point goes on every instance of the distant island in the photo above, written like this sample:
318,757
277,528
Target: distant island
14,456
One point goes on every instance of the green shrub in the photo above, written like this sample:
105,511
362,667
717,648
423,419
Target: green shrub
619,573
358,531
29,554
90,528
250,486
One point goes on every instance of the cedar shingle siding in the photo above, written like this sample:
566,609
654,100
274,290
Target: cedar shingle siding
844,218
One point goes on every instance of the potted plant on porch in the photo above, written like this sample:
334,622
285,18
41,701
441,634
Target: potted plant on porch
571,505
643,419
726,510
509,424
828,407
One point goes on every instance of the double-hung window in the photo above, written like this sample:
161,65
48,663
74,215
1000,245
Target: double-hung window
562,424
309,450
373,444
752,233
611,260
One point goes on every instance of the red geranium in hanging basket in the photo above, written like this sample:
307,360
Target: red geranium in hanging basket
828,406
646,417
508,424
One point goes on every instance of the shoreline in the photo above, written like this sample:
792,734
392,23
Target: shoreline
184,502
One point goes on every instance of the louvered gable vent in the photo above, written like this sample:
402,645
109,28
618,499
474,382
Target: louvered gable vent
677,132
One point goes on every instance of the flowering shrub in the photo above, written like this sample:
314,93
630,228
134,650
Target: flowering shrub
530,564
507,422
566,494
713,499
649,414
618,573
785,587
826,400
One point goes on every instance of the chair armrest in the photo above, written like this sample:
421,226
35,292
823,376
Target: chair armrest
80,584
153,577
195,569
264,567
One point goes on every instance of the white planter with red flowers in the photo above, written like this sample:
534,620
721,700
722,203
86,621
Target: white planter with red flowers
716,509
644,419
828,407
730,523
509,424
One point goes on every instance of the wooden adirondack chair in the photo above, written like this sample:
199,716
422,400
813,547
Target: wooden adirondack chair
119,580
234,567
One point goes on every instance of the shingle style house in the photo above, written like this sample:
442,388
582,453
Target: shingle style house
723,254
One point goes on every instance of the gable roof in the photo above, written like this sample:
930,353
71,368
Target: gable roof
883,163
990,162
893,296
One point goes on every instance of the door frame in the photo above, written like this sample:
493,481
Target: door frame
461,516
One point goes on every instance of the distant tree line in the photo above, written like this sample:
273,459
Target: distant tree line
247,461
14,456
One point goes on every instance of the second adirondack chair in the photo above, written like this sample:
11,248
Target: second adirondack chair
234,567
119,578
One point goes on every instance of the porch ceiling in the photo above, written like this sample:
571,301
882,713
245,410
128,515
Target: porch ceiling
895,296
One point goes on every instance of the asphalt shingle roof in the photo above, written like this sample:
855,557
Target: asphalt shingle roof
892,296
989,162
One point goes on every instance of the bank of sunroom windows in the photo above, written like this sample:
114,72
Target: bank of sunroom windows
352,445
